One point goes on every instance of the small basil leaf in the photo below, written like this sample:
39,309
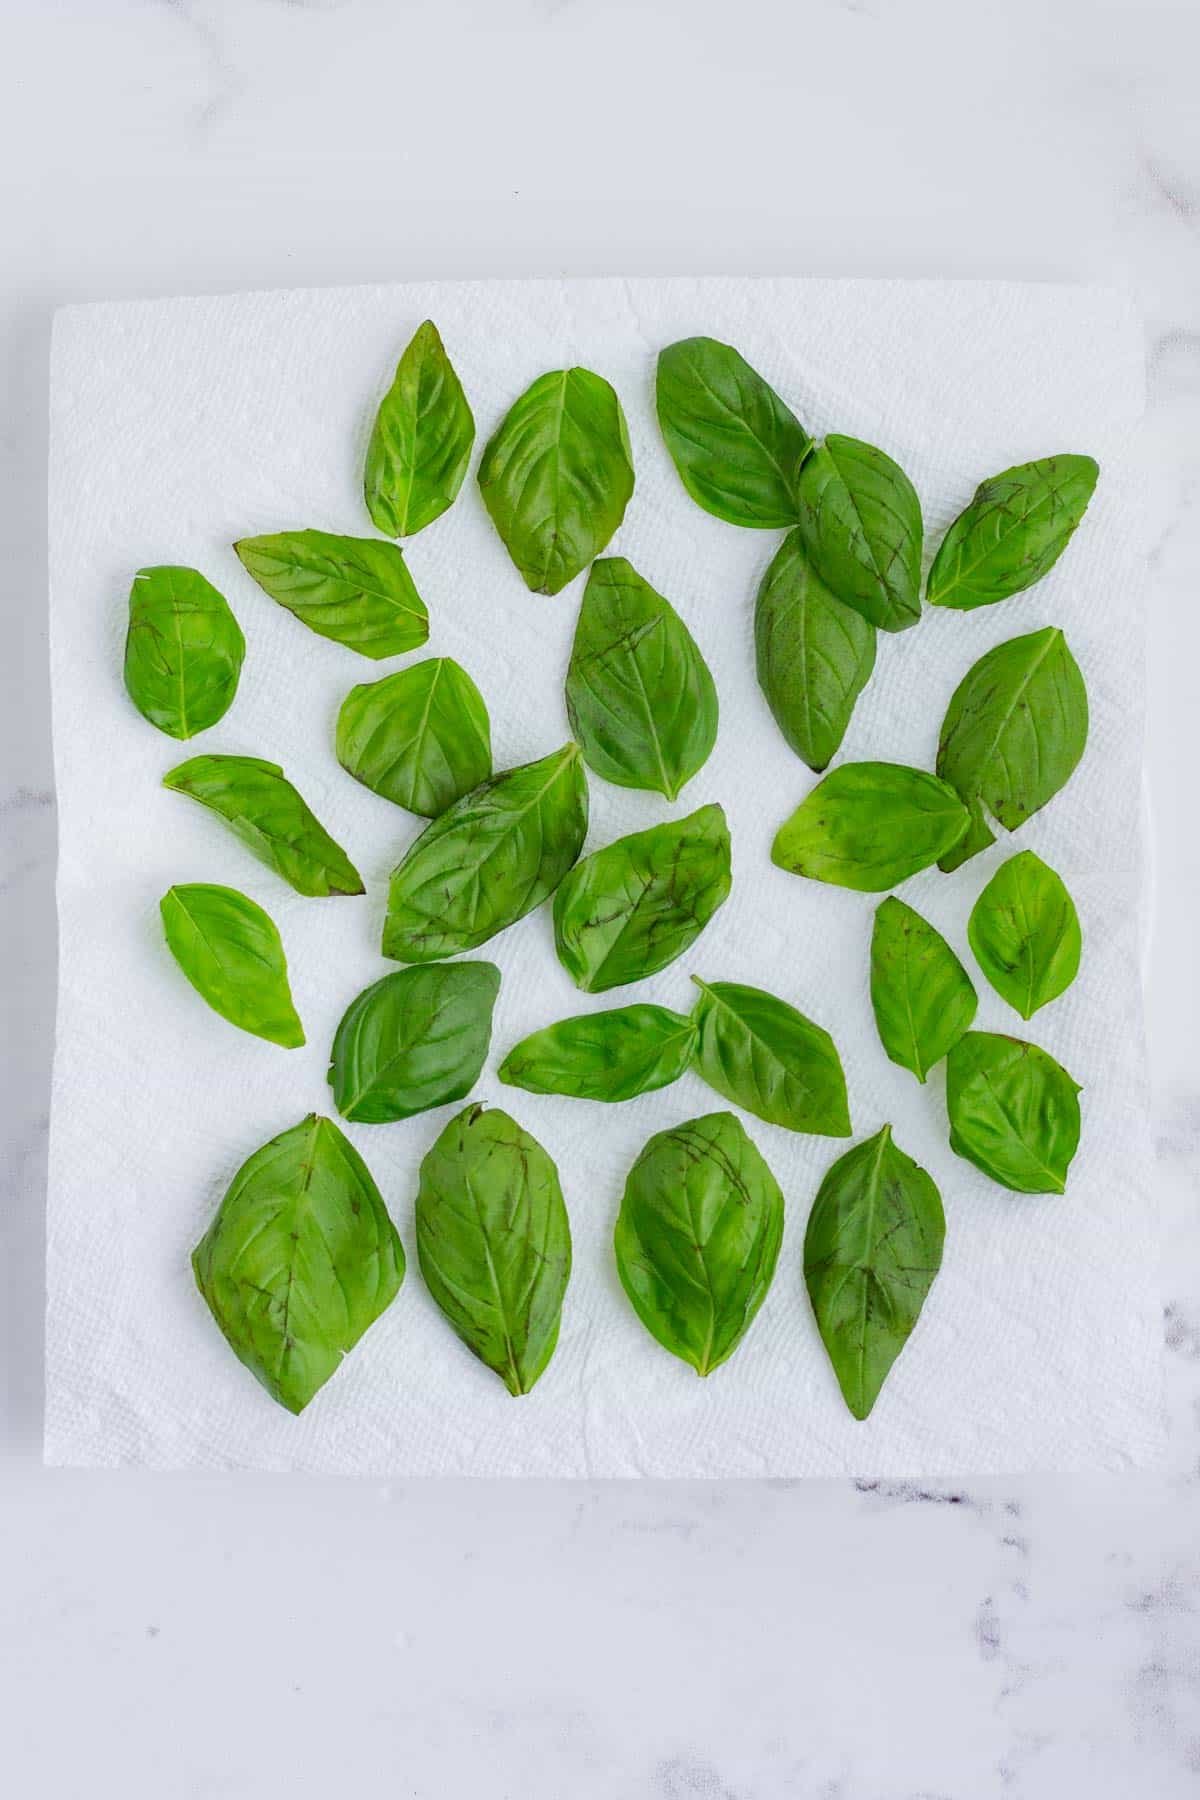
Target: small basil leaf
416,1039
860,521
921,995
557,476
1025,933
762,1054
421,737
269,816
300,1260
421,442
871,1252
869,826
640,697
1014,1112
698,1238
183,651
1014,531
494,1243
232,954
355,590
613,1055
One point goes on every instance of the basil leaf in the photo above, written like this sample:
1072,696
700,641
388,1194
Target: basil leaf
417,1038
815,656
183,651
421,737
300,1259
921,995
355,590
494,1242
1014,531
871,1251
640,697
737,447
1014,1112
557,476
421,442
630,909
860,521
270,817
232,954
488,860
698,1237
764,1055
1015,728
869,826
612,1055
1025,933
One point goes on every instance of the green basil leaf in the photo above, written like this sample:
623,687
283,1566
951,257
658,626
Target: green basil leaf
231,952
1014,1112
1025,933
612,1055
269,816
494,1243
488,860
1015,728
860,521
921,995
183,651
416,1039
300,1260
869,826
421,442
355,590
630,909
421,738
871,1251
640,697
1014,531
815,656
698,1237
762,1054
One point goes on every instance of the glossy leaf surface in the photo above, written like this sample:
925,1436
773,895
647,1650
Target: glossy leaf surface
417,1038
356,591
764,1055
814,654
231,952
1013,532
183,651
860,522
421,442
922,997
421,737
1014,1112
869,826
613,1055
1024,930
271,818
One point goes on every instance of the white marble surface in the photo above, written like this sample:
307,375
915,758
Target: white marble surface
241,1638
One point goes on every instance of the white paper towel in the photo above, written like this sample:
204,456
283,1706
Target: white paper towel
179,426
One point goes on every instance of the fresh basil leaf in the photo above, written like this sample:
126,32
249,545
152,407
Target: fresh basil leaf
1025,933
1014,1112
269,816
488,860
231,952
612,1055
871,1252
300,1260
421,738
698,1238
416,1039
421,442
355,590
494,1243
630,909
860,522
870,826
557,476
815,656
921,995
640,697
1014,531
183,651
762,1054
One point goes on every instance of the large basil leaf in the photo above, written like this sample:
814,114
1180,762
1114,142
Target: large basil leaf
737,447
1025,933
557,476
1014,1112
421,442
630,909
698,1237
494,1243
922,996
1014,531
640,697
421,737
869,826
860,520
488,860
871,1252
232,954
764,1055
416,1039
300,1259
270,817
183,651
814,655
357,591
612,1055
1014,730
